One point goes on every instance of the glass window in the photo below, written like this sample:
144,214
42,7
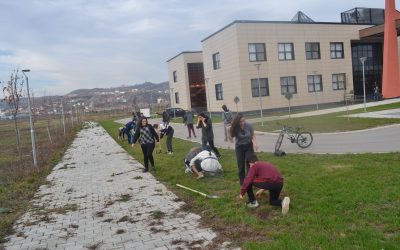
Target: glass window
216,61
338,81
174,74
285,51
314,83
255,89
218,91
312,51
176,97
257,52
337,50
288,85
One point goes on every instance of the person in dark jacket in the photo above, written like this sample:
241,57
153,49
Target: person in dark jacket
188,119
147,137
166,118
128,130
207,134
264,176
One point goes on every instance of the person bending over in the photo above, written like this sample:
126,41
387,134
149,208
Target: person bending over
264,176
205,161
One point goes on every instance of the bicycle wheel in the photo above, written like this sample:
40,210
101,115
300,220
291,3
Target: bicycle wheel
304,139
279,142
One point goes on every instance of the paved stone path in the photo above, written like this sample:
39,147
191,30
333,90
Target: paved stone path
85,206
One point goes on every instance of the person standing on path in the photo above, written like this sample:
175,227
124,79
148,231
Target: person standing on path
207,134
165,118
188,120
245,143
227,118
264,176
147,136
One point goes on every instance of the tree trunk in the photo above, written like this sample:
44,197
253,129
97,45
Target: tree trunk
48,132
18,138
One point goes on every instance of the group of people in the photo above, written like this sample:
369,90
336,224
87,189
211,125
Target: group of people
205,159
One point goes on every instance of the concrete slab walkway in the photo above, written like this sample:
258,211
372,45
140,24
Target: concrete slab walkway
87,204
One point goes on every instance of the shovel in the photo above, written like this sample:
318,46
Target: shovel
195,191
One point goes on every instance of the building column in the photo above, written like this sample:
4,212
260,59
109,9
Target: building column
391,76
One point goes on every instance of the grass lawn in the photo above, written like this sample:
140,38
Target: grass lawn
20,180
338,201
333,122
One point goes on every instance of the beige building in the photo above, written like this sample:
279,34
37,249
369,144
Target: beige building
314,62
186,77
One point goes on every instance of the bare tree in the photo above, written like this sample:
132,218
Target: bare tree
12,96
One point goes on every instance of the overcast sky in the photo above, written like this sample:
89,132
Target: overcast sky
71,44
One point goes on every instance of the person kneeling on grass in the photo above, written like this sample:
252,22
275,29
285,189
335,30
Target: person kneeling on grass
264,176
205,161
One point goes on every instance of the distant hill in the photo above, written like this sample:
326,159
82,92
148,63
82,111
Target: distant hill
130,97
146,86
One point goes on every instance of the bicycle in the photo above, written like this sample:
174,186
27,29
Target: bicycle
302,138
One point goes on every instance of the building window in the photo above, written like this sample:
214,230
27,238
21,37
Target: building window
176,97
216,61
257,52
338,81
312,51
218,91
337,50
314,83
175,76
288,85
255,89
285,51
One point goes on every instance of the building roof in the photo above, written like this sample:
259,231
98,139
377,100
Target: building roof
184,52
300,17
278,22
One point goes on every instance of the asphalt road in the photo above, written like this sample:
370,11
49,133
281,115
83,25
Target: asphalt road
376,140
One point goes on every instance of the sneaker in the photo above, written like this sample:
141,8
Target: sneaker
145,170
252,204
285,205
170,153
188,137
195,136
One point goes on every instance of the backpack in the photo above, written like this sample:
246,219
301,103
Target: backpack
228,116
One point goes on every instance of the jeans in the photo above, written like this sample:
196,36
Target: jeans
191,129
211,143
147,150
242,152
226,128
169,141
274,192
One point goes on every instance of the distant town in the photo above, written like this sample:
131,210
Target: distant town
127,97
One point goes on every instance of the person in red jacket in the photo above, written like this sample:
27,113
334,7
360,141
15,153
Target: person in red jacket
264,176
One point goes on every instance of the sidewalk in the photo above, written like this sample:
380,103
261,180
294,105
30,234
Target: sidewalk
85,205
329,110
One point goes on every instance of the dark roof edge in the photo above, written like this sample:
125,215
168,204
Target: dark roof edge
184,52
283,22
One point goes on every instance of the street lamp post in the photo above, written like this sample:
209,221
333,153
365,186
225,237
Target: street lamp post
172,100
363,59
208,98
62,113
30,119
257,65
